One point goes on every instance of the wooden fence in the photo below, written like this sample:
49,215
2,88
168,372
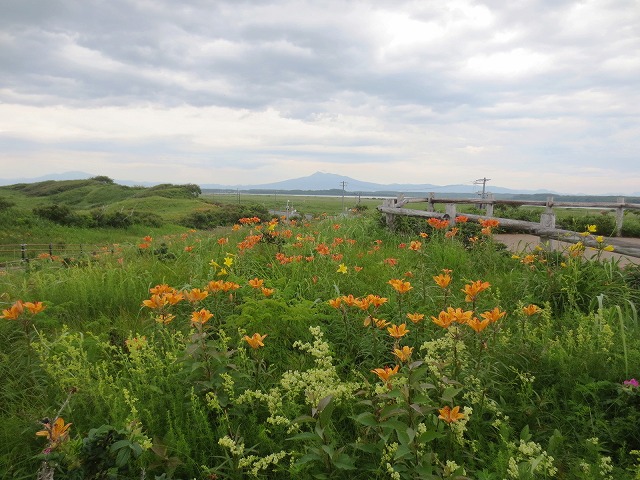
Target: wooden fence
16,254
546,228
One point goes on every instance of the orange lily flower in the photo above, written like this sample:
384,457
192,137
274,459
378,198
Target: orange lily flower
489,222
438,224
415,317
363,303
415,245
443,280
56,433
335,302
13,312
196,295
161,289
444,319
255,341
403,353
398,331
267,292
386,373
349,300
256,282
493,315
399,285
450,415
322,249
174,297
34,307
478,325
473,289
201,317
459,315
376,300
156,301
165,318
531,309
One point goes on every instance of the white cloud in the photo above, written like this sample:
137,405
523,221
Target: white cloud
387,91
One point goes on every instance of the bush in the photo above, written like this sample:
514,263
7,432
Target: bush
63,215
605,223
5,204
169,190
223,215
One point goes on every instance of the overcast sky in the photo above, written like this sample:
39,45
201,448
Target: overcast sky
532,94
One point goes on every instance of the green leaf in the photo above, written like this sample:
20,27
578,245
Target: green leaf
123,457
328,449
120,444
309,457
305,436
366,418
344,462
429,436
324,402
402,451
449,394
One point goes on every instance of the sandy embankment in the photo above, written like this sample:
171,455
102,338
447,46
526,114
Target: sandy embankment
518,243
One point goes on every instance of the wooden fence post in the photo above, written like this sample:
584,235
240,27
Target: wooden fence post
23,251
548,217
489,206
389,202
450,209
430,202
619,217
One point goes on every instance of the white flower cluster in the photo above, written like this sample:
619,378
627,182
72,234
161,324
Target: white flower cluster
458,428
257,464
319,349
236,448
530,456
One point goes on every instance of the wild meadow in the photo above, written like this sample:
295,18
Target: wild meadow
328,348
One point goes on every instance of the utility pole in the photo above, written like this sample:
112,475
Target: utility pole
482,181
344,184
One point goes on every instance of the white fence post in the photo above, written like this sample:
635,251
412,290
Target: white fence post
548,217
489,206
450,209
619,217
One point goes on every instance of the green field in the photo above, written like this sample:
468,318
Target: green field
324,348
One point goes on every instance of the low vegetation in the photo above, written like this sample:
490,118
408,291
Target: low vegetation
324,348
203,339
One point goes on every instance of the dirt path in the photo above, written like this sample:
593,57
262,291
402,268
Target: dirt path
525,243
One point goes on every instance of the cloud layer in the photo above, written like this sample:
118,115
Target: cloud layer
533,94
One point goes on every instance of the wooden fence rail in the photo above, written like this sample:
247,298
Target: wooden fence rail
545,229
23,252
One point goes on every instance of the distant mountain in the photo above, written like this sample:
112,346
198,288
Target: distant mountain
45,178
318,181
331,181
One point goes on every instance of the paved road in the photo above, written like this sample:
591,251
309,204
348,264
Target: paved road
517,242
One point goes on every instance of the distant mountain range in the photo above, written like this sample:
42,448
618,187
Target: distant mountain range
331,181
318,181
327,182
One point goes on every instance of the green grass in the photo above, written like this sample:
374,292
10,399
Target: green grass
551,382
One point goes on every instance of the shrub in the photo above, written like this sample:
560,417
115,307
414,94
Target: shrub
63,215
605,223
5,204
221,215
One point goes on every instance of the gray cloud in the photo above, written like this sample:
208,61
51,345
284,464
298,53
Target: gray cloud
492,83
